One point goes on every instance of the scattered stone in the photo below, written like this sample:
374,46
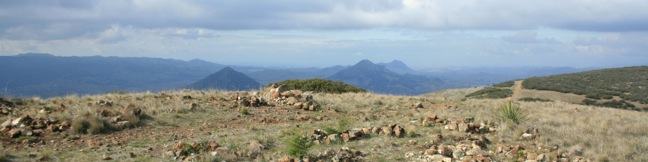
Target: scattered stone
399,131
418,105
106,157
254,148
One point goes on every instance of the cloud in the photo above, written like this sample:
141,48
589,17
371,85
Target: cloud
72,18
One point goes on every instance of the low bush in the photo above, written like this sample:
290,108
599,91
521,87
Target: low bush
531,99
491,93
320,85
89,123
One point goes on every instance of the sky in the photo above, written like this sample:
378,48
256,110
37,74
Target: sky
318,33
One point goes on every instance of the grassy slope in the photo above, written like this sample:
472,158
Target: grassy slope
604,134
630,83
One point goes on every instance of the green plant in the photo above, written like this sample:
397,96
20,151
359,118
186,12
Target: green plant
244,111
491,93
531,99
89,123
298,146
511,112
320,85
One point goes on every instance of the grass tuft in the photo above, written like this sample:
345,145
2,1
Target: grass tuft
298,146
510,112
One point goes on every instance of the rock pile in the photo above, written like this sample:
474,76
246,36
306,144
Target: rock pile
343,154
28,126
320,136
297,99
182,150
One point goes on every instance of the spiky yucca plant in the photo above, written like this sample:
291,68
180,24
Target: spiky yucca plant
511,112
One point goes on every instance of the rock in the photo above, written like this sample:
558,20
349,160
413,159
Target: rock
527,136
356,134
345,136
463,127
387,131
375,130
254,148
21,120
366,130
541,158
444,150
106,157
399,131
418,105
451,126
6,125
14,133
286,159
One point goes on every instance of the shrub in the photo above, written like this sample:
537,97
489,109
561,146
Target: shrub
298,146
507,84
531,99
320,85
510,112
244,111
491,93
89,123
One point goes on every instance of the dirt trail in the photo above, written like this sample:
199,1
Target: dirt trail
517,89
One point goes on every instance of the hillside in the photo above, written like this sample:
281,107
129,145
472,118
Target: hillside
226,79
377,78
183,126
47,75
625,88
618,87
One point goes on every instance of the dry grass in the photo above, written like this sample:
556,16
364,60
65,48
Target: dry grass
604,134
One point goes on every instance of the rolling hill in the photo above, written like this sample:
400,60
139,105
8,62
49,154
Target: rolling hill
625,88
226,79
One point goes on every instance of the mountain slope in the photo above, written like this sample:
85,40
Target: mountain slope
46,75
399,67
226,79
378,78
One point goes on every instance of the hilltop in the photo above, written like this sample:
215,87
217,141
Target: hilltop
282,125
226,79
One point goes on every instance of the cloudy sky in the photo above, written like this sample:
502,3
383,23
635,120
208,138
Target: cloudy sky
422,33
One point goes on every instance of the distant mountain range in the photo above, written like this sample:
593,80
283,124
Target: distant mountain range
46,75
365,74
226,79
